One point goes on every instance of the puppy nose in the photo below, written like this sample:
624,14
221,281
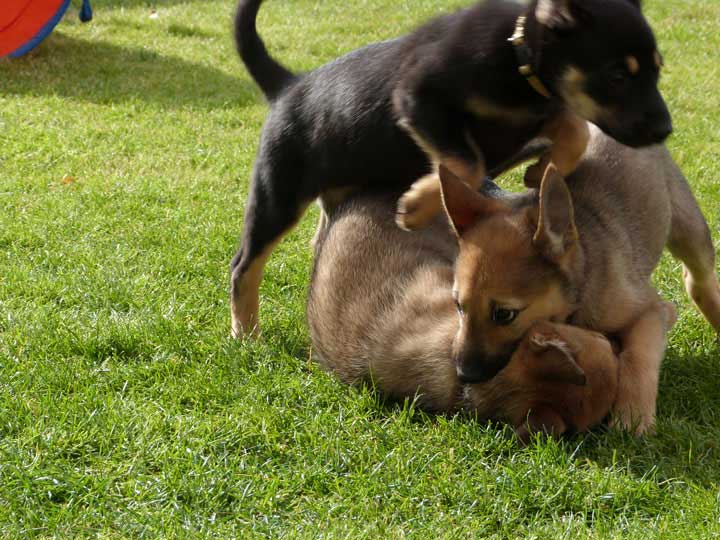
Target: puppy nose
661,131
658,123
476,370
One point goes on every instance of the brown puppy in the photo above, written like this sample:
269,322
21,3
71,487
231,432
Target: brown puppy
380,311
379,306
582,251
561,378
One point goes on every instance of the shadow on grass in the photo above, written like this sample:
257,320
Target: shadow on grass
102,73
684,450
150,4
686,445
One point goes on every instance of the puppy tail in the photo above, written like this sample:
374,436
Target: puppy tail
270,76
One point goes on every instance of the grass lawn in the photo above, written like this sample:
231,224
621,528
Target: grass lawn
127,411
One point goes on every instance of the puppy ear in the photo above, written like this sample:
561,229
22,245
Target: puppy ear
556,231
636,3
555,14
555,360
464,206
543,420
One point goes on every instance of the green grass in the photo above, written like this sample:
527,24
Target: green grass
127,411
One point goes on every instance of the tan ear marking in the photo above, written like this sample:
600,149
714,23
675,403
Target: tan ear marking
632,64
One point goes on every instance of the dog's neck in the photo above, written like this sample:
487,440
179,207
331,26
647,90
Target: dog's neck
547,55
527,60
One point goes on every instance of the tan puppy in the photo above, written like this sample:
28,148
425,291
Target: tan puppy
582,251
381,312
379,307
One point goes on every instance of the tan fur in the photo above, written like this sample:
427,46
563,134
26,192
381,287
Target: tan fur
628,204
420,204
381,312
643,349
245,305
632,64
483,107
245,299
567,132
380,309
570,136
571,89
532,394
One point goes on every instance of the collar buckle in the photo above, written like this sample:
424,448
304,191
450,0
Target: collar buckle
524,58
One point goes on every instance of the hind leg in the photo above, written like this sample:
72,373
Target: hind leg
271,211
690,241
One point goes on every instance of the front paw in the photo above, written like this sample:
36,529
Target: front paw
630,421
417,207
634,409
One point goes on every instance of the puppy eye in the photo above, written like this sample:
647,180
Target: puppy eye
503,316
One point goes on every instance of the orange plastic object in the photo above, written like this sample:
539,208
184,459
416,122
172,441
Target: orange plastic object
25,23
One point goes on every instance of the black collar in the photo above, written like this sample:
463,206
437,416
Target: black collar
524,58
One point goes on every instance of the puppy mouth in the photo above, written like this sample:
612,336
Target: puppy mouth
642,135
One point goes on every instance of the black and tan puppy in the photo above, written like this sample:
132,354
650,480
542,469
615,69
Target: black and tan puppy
472,88
582,251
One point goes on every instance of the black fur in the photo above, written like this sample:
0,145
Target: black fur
337,126
272,77
460,57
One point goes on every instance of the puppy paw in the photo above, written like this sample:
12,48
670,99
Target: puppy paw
630,422
417,207
242,332
636,416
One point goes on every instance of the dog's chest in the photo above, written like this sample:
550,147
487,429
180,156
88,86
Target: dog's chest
501,130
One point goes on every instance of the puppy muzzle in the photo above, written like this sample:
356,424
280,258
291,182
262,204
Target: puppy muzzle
478,368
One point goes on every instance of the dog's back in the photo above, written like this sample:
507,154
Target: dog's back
629,205
380,308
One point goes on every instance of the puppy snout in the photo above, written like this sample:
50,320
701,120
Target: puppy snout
660,130
658,123
477,368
